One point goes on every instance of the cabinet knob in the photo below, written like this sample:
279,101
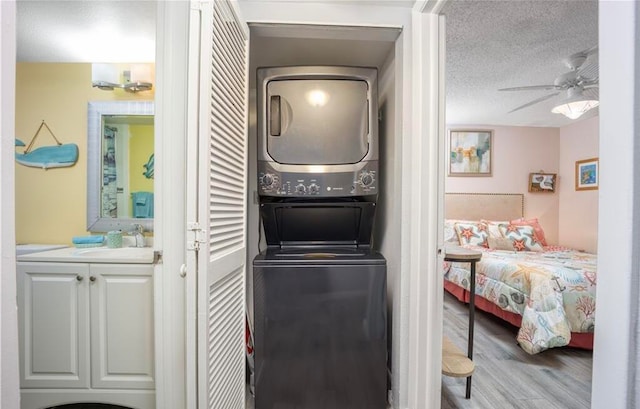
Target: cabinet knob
92,278
79,277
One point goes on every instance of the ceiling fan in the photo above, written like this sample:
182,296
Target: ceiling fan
581,77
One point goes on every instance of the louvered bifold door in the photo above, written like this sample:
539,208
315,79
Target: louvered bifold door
222,209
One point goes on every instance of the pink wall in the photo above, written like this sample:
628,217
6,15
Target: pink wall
578,221
518,151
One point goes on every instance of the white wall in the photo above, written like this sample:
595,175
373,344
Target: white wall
388,212
327,12
615,372
9,387
518,151
578,215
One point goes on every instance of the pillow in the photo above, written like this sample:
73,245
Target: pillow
522,237
500,243
494,227
473,233
450,235
537,228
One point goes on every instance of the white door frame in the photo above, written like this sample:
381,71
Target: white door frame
172,35
191,260
422,204
9,374
616,360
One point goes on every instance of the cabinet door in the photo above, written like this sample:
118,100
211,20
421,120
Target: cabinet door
53,325
122,343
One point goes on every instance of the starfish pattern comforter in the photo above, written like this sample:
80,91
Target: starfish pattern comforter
553,291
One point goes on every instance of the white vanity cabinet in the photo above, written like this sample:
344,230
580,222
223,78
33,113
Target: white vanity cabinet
86,334
121,322
53,316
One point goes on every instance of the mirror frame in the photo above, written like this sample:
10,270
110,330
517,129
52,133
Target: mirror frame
96,109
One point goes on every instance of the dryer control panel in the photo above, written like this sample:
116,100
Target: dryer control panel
319,181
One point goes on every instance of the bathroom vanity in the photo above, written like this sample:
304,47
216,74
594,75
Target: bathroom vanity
86,327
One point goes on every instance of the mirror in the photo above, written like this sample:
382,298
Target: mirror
120,165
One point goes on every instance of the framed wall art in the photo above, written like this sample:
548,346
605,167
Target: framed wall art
542,182
587,174
470,152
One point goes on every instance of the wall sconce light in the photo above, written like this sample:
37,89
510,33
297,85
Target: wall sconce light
129,77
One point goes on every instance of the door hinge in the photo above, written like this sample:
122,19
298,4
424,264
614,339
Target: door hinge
197,5
195,236
157,257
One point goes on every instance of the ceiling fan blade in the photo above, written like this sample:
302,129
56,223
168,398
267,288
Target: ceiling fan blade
576,60
529,88
592,92
535,101
584,53
588,82
589,70
589,51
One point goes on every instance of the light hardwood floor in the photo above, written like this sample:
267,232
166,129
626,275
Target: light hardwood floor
507,377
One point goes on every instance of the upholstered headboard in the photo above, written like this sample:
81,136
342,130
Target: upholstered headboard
489,206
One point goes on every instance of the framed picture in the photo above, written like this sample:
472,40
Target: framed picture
542,182
587,174
470,152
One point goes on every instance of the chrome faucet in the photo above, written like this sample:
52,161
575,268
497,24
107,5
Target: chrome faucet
137,232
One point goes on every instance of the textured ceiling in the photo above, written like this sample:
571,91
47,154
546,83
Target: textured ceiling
490,45
86,31
500,44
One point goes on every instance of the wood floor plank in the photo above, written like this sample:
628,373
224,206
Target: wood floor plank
507,377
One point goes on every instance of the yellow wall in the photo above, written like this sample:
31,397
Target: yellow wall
51,205
140,148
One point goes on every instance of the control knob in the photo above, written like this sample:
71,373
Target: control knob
300,189
313,188
267,180
366,179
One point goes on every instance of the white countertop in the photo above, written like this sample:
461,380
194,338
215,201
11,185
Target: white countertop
124,255
34,248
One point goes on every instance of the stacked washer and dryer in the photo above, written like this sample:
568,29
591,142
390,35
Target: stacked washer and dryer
319,287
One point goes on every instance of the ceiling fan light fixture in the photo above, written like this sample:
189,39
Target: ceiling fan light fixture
575,105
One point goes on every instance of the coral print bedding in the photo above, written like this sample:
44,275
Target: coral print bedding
552,288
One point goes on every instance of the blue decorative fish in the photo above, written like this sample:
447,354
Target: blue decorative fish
149,167
45,157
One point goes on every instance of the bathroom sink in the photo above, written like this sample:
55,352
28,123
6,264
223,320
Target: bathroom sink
121,254
125,255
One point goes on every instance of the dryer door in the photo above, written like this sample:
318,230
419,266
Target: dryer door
317,122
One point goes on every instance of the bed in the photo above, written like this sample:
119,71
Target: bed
546,291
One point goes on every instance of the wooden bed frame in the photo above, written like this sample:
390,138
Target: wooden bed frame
494,206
